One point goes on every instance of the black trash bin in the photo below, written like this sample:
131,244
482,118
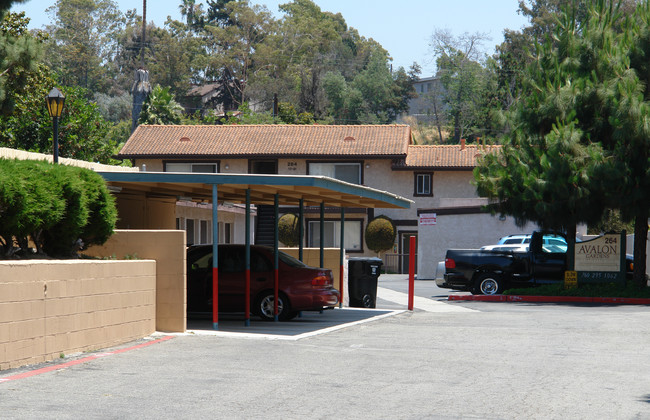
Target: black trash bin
363,273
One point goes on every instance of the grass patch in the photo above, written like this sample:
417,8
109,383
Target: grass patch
585,290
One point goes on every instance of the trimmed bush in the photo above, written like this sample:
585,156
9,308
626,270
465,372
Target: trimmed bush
58,207
289,230
380,234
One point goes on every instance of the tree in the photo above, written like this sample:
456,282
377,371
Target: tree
19,55
463,77
84,41
161,108
237,30
579,140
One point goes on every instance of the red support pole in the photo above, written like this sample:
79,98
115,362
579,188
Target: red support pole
215,297
247,298
341,285
276,289
411,271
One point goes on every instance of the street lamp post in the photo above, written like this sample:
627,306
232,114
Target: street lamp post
55,100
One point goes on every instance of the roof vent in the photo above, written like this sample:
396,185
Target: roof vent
185,139
349,138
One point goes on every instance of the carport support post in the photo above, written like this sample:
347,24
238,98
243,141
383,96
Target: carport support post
411,270
301,228
322,234
341,259
276,244
215,258
247,293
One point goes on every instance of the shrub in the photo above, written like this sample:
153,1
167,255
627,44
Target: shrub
58,207
288,230
380,234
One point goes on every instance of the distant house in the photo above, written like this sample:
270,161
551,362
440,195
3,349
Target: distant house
422,106
202,98
210,97
377,156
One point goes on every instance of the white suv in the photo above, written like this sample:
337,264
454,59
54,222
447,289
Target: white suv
551,242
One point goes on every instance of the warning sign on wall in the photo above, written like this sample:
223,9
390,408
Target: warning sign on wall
427,219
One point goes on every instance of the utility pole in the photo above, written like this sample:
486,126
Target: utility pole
141,86
144,31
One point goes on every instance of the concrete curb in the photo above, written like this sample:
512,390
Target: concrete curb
551,299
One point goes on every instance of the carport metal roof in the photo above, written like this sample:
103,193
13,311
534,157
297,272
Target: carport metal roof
314,190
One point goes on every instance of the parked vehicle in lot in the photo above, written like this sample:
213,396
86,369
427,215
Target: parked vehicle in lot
301,287
490,271
517,239
513,247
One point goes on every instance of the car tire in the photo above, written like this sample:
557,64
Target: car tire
264,306
488,284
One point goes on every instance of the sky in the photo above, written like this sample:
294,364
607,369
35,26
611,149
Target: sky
403,28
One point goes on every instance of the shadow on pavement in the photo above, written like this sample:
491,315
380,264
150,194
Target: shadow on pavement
308,324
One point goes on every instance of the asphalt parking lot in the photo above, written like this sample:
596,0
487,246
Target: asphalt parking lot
444,360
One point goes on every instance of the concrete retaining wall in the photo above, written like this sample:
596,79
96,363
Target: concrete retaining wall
167,247
49,308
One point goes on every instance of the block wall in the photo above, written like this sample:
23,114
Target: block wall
167,247
49,308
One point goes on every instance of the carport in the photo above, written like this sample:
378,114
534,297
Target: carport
250,189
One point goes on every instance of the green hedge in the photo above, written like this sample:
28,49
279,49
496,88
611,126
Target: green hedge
58,207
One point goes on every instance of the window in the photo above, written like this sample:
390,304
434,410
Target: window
189,230
225,233
332,234
423,184
343,171
197,231
191,167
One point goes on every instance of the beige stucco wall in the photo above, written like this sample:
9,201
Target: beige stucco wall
52,307
167,247
136,211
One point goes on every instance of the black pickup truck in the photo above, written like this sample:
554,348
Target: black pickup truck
491,272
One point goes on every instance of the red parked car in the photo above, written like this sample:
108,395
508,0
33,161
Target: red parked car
302,288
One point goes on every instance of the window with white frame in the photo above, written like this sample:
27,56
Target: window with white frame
332,234
203,167
225,233
423,181
197,231
344,171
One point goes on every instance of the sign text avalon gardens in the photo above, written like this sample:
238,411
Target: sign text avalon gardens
601,259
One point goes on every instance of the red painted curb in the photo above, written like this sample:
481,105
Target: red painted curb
480,298
79,361
551,299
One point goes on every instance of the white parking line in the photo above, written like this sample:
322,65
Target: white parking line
424,304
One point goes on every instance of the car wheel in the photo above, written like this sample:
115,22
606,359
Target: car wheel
488,284
264,306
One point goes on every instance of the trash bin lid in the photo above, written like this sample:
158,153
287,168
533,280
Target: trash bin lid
368,259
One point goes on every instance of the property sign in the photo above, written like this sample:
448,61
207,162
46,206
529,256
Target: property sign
428,219
601,259
600,254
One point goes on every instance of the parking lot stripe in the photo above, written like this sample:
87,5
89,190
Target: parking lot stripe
79,361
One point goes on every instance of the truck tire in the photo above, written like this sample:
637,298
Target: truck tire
488,284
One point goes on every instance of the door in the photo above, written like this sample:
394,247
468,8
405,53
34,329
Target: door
405,249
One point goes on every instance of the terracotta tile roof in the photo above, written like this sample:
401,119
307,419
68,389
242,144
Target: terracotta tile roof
442,157
389,141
